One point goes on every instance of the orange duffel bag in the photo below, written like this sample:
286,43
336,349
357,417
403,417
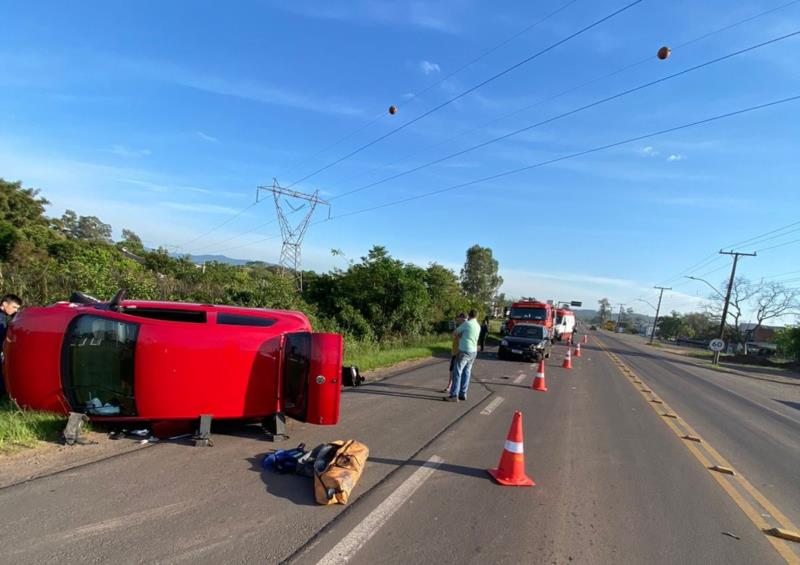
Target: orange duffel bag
336,480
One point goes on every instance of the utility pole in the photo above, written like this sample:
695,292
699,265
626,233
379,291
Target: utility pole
736,256
658,309
292,236
619,317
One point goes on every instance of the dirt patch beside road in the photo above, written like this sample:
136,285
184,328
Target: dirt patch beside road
49,457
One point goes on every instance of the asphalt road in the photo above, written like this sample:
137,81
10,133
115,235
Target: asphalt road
753,422
614,483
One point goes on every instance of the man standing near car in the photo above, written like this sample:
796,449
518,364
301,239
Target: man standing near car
468,334
9,305
460,319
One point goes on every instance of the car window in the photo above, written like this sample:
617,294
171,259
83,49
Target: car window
244,320
168,314
99,372
533,332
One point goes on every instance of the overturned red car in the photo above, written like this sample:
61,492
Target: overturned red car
126,360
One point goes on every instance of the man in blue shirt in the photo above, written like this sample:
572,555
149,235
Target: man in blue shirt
467,334
9,305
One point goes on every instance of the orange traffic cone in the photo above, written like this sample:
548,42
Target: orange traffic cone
538,381
585,339
511,469
567,364
578,350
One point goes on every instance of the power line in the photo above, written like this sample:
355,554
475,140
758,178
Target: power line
777,246
415,96
562,158
219,225
574,155
716,257
572,89
760,240
468,91
538,103
554,118
568,113
515,112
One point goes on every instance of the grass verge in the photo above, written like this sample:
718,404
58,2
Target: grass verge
367,356
25,428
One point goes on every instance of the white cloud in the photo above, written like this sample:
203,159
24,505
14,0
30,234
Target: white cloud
712,202
418,14
206,137
124,151
158,187
676,157
204,208
428,68
649,151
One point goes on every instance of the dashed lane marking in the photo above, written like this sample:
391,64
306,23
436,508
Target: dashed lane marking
492,406
520,378
349,545
735,485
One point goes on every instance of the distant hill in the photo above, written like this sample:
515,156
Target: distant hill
219,259
200,259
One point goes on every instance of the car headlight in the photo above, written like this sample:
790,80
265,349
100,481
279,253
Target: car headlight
504,343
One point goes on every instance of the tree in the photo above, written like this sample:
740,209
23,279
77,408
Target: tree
131,242
90,228
670,327
479,277
788,341
767,300
445,294
605,310
699,325
741,293
775,300
19,206
86,228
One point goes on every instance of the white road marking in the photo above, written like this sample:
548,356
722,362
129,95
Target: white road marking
491,406
520,378
349,545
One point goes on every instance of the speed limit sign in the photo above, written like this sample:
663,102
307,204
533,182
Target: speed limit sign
716,345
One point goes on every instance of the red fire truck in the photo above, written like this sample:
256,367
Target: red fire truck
530,312
131,360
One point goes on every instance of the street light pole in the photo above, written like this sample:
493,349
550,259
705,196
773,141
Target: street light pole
658,309
736,256
711,286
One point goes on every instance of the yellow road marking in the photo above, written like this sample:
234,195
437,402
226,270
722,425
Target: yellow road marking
725,480
785,534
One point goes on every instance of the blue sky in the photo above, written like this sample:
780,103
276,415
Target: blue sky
163,117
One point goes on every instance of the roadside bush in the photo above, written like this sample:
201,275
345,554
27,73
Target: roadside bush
788,340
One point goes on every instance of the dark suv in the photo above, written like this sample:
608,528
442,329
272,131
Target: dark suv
529,341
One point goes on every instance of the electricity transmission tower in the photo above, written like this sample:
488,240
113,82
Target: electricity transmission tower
292,235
